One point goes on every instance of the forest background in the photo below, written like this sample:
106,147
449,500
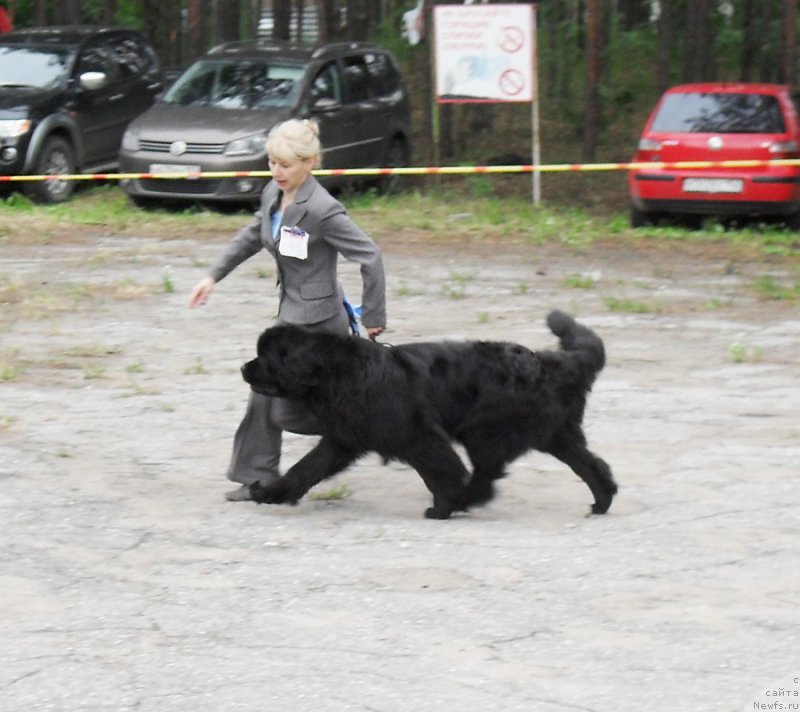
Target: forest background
601,65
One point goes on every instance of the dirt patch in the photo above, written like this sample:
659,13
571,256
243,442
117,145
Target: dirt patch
129,583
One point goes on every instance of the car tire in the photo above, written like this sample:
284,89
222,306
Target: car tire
143,203
793,222
640,218
397,156
57,157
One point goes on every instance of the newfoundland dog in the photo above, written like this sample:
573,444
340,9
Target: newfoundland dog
410,402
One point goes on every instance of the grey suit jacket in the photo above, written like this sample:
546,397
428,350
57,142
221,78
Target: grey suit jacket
309,289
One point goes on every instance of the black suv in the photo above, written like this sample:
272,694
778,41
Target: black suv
66,96
216,116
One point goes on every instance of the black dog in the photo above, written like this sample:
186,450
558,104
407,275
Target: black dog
410,402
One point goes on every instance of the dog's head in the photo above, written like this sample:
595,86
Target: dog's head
289,362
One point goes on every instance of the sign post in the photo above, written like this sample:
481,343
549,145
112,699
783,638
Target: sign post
487,54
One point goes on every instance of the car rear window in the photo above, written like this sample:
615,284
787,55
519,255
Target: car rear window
719,113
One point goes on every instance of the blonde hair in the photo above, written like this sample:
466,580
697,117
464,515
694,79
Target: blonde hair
295,139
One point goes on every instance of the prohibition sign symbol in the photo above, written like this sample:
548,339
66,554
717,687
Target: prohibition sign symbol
510,39
511,82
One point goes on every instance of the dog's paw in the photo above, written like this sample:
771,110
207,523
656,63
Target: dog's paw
600,507
437,513
274,492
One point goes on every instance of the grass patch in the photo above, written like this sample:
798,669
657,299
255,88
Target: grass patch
11,366
457,210
456,285
197,369
767,287
741,353
7,422
579,281
332,494
630,306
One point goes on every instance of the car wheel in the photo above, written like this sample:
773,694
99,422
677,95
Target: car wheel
793,222
690,221
640,218
56,158
397,156
143,203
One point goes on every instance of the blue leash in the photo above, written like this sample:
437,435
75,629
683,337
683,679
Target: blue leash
353,314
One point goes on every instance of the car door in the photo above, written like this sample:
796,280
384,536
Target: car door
103,113
362,107
337,121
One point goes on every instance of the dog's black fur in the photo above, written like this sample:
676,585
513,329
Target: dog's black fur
410,402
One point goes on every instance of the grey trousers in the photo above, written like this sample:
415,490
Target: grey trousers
258,439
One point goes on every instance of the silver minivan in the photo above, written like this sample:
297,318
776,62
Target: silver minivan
216,116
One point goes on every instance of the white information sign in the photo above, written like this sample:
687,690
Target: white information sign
484,53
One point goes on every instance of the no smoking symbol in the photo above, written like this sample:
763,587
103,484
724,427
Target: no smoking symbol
511,39
511,82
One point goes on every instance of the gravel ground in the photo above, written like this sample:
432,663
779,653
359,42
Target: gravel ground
129,584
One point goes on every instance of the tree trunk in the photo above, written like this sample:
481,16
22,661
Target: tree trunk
281,19
197,30
666,38
634,13
594,44
228,15
749,40
40,13
788,63
109,12
767,58
67,12
151,19
699,42
357,20
328,20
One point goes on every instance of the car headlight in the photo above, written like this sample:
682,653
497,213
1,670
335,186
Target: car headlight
248,146
13,128
130,141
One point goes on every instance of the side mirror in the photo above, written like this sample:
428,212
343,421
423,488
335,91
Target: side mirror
325,104
92,80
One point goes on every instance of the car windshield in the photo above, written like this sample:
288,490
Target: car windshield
39,67
236,84
719,113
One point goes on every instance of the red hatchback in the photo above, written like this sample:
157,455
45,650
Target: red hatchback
718,122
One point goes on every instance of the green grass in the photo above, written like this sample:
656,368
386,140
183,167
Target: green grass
579,281
630,306
455,212
741,353
332,494
767,287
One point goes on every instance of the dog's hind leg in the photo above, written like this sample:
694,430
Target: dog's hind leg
486,468
442,471
594,471
325,460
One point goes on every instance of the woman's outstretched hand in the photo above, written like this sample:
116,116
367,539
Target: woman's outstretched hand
201,292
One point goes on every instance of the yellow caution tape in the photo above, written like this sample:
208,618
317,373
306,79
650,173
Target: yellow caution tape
417,170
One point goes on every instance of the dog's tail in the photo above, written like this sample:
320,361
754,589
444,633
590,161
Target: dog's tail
579,340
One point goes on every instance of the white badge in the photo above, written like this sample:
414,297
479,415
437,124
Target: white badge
293,243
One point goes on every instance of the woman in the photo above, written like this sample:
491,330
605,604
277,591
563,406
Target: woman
305,229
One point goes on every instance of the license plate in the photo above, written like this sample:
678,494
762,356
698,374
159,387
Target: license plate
713,185
160,168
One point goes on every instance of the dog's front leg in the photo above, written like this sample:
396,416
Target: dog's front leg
442,471
323,461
